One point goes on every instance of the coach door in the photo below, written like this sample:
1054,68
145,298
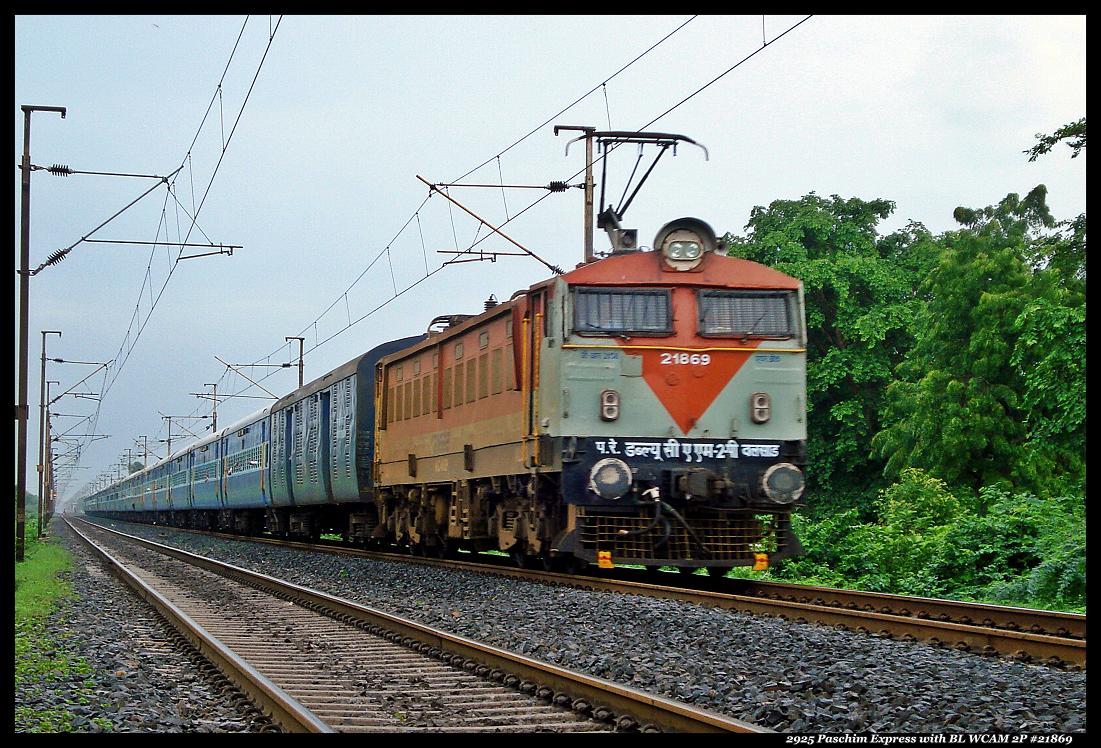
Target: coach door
282,457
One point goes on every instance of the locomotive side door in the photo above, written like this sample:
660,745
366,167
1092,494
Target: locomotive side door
534,322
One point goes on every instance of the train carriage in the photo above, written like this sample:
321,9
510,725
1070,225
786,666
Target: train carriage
647,407
321,446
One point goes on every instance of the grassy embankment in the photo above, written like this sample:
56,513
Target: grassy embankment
44,659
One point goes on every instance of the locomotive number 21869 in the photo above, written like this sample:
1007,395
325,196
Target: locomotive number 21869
698,359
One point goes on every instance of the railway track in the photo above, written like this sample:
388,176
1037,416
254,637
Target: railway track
318,663
1053,638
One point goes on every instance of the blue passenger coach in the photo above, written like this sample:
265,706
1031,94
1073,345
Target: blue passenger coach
288,468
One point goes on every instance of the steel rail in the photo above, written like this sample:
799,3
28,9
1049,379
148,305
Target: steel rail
270,698
643,708
1070,625
922,620
1002,630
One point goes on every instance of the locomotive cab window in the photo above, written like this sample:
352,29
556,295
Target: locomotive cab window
743,313
622,310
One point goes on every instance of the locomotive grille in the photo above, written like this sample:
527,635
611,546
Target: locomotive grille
731,538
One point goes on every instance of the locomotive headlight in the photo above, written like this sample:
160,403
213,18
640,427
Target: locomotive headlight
783,483
610,478
684,242
684,250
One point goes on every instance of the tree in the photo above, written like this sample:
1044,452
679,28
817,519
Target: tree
860,304
1075,133
1050,357
991,368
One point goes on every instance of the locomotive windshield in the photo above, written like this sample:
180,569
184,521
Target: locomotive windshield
743,313
622,310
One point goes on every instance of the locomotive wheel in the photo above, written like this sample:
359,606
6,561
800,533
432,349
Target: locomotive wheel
519,557
575,565
444,548
568,564
686,569
565,564
718,571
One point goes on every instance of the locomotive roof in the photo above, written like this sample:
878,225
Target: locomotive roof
635,269
647,268
456,329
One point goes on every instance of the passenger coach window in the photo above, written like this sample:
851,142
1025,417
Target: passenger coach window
627,310
767,314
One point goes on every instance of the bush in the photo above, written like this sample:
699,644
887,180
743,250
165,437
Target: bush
925,540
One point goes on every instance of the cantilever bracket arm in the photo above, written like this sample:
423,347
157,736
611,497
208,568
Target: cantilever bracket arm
630,136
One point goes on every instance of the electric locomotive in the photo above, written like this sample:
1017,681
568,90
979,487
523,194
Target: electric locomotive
644,408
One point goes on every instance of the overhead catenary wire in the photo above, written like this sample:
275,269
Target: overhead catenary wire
497,156
576,101
193,141
57,256
670,110
194,218
206,193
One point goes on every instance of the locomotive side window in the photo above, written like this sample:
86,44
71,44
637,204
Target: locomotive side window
626,310
744,313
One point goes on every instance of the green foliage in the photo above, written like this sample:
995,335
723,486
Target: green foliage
42,652
1074,133
992,390
1035,549
945,396
860,304
1012,548
955,409
1012,218
1051,357
30,500
895,554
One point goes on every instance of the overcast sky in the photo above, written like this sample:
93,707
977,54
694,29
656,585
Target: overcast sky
317,174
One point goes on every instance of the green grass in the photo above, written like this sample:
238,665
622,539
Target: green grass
42,652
